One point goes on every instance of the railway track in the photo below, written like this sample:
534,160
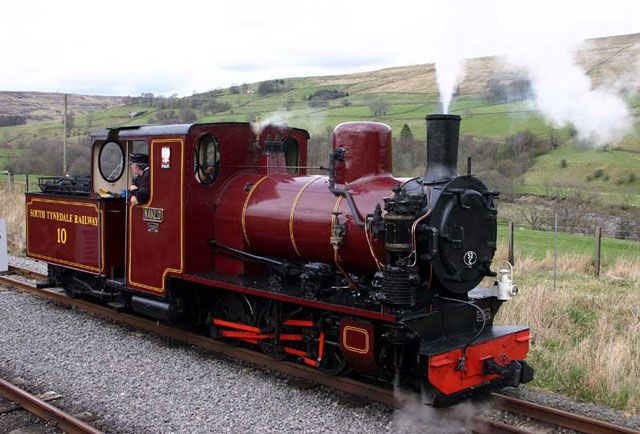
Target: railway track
386,396
45,411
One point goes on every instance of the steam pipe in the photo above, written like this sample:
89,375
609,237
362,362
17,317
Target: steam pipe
336,155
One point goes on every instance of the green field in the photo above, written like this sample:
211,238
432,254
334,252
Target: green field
539,244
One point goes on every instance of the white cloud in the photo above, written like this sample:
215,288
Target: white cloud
134,46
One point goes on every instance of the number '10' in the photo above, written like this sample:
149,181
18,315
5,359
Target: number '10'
62,235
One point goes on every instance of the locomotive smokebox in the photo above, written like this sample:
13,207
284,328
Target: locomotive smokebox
442,148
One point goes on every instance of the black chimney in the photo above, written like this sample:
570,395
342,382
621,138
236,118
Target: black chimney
442,148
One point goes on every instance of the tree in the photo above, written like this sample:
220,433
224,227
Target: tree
271,86
11,120
496,91
405,133
378,107
535,216
289,104
188,116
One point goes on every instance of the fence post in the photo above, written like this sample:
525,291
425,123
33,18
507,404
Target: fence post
10,182
555,250
598,250
511,248
26,181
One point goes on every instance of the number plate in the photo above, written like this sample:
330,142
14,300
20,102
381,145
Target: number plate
153,215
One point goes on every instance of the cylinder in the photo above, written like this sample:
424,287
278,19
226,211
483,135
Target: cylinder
442,148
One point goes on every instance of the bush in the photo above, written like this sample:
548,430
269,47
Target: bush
563,163
217,106
11,120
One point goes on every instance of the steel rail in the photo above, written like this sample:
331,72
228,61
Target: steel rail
559,417
46,411
27,273
348,385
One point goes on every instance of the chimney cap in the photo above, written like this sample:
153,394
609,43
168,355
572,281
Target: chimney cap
437,117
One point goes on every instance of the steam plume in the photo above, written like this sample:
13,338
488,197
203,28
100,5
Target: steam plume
564,94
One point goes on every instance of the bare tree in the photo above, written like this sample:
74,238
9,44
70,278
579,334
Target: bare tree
535,216
377,107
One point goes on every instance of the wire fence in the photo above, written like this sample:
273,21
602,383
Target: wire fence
589,250
18,183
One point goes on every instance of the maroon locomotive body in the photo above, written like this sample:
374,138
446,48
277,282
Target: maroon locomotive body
353,270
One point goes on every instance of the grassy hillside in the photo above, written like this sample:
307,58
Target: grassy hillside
614,173
42,106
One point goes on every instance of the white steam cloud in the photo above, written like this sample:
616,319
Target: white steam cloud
539,37
449,73
564,94
449,64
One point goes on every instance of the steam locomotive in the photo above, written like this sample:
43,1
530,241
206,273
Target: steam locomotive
353,271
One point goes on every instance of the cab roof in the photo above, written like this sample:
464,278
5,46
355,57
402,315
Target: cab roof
161,130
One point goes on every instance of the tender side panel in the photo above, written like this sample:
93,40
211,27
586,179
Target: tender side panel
65,231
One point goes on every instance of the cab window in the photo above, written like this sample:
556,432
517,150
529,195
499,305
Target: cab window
207,159
111,161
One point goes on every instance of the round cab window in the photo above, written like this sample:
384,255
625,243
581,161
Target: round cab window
207,159
111,161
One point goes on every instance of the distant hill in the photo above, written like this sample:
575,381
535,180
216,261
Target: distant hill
605,60
45,106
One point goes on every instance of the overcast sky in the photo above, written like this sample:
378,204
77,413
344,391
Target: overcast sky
128,47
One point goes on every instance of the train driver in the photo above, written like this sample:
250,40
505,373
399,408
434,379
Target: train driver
139,190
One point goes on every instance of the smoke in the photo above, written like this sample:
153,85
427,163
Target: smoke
298,118
415,417
279,118
565,95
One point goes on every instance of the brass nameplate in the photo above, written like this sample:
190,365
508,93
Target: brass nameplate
153,215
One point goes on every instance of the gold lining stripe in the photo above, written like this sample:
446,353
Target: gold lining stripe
293,211
335,208
244,209
357,330
148,204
